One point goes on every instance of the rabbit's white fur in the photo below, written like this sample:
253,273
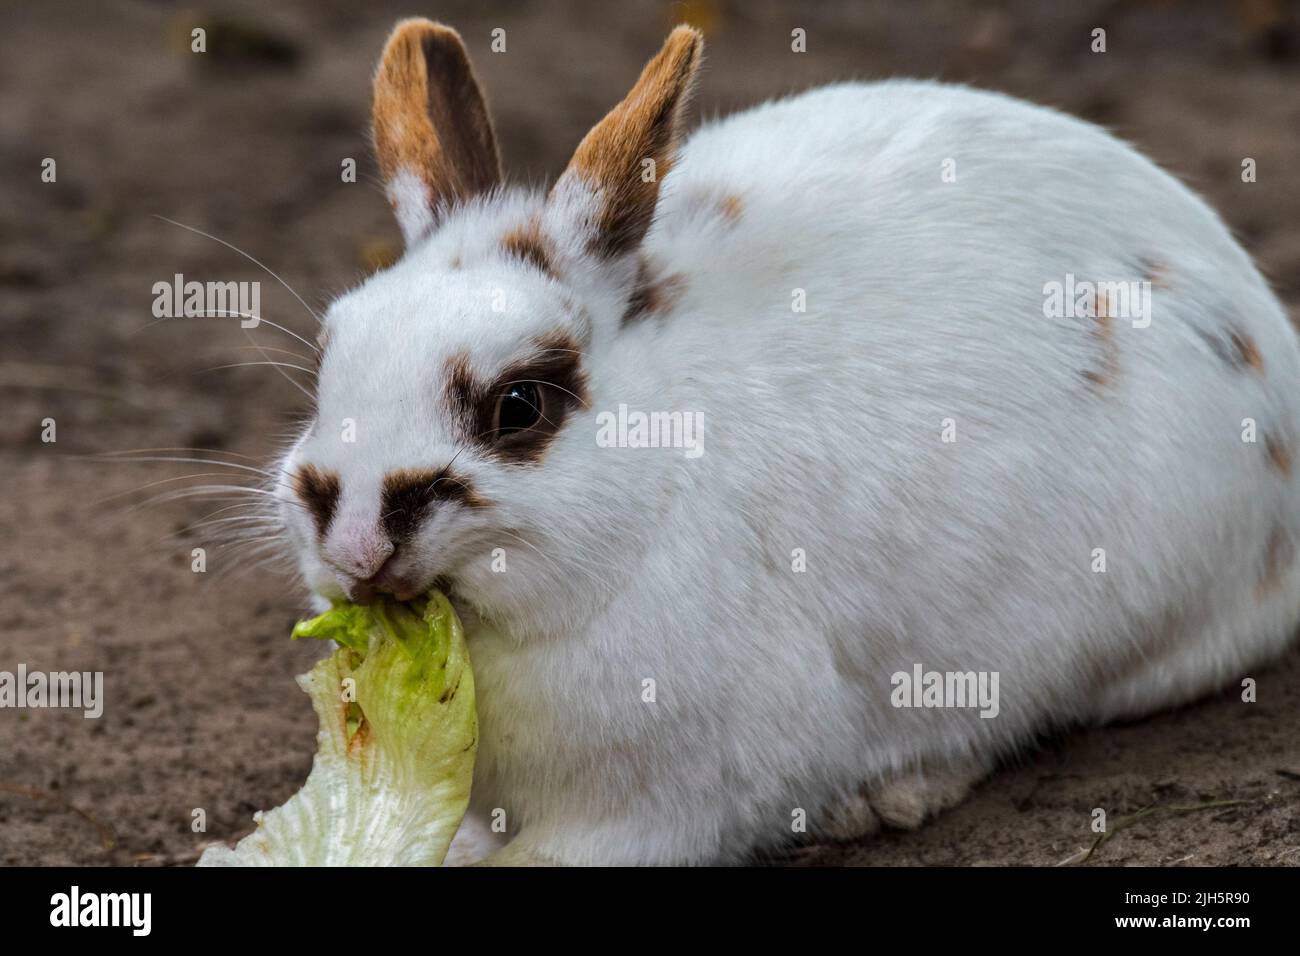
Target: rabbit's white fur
822,433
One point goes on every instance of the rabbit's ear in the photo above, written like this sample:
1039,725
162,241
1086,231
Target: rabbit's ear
433,135
618,166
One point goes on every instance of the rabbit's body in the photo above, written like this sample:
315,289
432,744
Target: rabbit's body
689,655
823,434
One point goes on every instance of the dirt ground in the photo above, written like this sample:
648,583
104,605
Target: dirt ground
246,142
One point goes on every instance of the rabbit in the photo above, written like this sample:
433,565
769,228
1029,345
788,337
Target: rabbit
933,435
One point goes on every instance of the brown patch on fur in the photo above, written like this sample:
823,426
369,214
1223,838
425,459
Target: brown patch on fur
408,494
1279,553
1278,454
1247,351
526,243
653,293
1155,272
643,126
462,391
319,491
731,206
555,370
1104,333
710,205
430,116
1237,349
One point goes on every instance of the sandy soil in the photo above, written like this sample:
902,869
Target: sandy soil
201,711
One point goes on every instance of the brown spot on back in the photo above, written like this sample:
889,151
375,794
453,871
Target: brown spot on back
319,491
643,126
1278,454
1278,556
409,493
709,202
1236,349
652,293
1247,352
1104,333
1155,272
526,243
731,206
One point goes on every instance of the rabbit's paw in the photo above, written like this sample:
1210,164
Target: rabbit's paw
903,802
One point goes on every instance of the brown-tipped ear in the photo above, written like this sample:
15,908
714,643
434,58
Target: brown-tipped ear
433,135
611,159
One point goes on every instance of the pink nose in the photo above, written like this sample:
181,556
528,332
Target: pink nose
358,549
364,555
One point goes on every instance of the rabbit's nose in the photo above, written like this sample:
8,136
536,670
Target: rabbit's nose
358,550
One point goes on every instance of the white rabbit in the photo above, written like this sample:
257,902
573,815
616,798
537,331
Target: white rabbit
927,443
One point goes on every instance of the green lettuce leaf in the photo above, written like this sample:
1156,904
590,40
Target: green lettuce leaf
395,751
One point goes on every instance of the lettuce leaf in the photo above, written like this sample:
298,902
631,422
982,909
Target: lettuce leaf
395,750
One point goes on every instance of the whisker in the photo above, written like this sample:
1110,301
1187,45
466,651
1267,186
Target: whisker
206,451
247,492
283,374
250,258
221,313
272,563
224,314
171,458
217,542
248,495
246,547
162,481
217,368
272,348
252,550
269,521
265,521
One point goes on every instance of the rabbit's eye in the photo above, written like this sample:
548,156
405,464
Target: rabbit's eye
519,408
515,416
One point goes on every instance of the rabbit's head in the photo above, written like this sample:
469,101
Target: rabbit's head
452,434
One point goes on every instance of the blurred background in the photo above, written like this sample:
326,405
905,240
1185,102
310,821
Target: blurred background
246,142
